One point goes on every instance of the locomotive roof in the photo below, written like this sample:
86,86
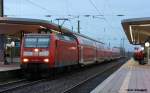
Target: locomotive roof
88,37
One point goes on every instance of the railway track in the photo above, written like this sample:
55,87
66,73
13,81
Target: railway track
11,82
70,89
59,84
11,86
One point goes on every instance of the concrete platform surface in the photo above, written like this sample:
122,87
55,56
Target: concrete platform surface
10,66
130,78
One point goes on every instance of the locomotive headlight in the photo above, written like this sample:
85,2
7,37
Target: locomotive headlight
36,50
25,60
43,53
46,60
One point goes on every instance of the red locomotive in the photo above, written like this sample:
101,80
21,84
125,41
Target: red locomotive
42,52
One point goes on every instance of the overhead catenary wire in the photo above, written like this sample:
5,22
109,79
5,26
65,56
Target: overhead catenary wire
99,12
107,3
67,6
38,6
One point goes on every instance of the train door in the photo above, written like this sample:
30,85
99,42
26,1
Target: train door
67,52
81,54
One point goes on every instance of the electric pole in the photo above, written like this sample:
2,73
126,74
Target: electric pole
1,8
122,46
123,39
78,26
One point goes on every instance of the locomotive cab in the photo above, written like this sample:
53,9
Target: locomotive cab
36,52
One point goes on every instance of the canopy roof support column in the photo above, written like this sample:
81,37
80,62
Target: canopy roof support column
2,47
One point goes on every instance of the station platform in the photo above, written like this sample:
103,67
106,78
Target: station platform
130,78
8,67
11,70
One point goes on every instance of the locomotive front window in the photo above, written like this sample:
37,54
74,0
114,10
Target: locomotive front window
30,42
43,42
38,42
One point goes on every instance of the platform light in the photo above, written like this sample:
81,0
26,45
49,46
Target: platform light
131,33
43,27
147,44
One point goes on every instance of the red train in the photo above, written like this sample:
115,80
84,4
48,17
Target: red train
139,56
49,49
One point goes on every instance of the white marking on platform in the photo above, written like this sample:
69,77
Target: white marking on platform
125,84
8,68
104,83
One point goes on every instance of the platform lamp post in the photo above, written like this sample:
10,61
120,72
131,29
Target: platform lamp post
147,45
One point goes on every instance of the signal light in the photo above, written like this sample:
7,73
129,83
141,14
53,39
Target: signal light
25,60
46,60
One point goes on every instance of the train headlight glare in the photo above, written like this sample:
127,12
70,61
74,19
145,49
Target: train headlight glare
25,60
46,60
36,50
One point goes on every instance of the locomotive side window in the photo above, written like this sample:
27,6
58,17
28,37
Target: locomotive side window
61,37
69,38
66,38
37,42
72,39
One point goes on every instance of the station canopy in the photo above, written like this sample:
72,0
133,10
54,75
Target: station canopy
12,26
137,30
